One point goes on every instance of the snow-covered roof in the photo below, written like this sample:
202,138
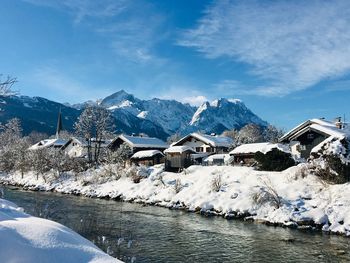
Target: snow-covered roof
82,142
143,142
48,143
146,154
212,140
263,147
179,149
226,157
320,125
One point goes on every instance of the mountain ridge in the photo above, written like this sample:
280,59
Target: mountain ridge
155,117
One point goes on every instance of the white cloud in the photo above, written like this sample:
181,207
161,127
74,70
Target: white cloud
290,45
194,100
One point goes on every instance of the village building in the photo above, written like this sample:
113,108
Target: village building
178,157
54,143
218,159
78,147
147,157
48,143
138,143
312,134
194,148
204,143
244,154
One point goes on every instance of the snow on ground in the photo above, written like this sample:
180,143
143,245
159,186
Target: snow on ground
303,199
26,238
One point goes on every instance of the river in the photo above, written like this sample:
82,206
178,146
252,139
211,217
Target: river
138,233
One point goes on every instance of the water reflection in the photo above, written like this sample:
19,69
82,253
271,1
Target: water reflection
137,233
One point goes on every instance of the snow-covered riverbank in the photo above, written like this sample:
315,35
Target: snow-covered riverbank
289,198
26,238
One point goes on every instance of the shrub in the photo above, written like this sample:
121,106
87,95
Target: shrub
216,183
334,170
267,195
274,160
178,186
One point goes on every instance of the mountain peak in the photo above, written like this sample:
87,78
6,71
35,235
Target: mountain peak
117,98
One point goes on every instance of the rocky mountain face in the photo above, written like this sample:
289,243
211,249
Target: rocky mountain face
37,114
155,117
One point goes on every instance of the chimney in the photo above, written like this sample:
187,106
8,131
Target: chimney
213,134
338,123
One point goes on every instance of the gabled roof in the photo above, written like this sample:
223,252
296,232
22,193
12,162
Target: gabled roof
82,142
263,147
57,143
322,126
214,141
179,149
142,142
146,154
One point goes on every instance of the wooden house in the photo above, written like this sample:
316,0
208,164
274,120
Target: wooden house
147,158
138,143
244,154
311,135
178,157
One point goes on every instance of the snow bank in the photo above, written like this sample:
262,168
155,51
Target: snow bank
303,199
25,238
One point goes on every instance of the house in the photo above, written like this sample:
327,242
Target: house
198,147
244,154
138,143
78,147
178,157
218,159
312,134
204,143
147,158
48,143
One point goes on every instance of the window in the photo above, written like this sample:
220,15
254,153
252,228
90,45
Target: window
199,149
310,136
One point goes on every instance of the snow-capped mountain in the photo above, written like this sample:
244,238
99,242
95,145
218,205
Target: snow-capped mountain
155,117
223,114
173,116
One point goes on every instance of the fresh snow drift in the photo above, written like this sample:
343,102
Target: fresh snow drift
26,238
304,199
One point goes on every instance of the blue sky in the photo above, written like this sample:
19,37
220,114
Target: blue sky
287,60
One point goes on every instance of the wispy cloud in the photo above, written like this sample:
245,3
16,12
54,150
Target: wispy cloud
193,96
132,28
290,45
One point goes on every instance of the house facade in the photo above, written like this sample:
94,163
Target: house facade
244,154
178,158
78,147
312,134
204,143
147,157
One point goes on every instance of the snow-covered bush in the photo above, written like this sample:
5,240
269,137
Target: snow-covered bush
274,160
216,183
178,186
332,162
267,195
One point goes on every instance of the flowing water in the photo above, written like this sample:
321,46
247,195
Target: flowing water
137,233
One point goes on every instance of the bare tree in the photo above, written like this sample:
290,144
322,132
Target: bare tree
6,86
272,134
250,133
94,124
21,155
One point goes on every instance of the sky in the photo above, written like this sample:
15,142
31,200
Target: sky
286,60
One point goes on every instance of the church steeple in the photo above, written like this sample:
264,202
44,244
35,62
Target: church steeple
59,124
